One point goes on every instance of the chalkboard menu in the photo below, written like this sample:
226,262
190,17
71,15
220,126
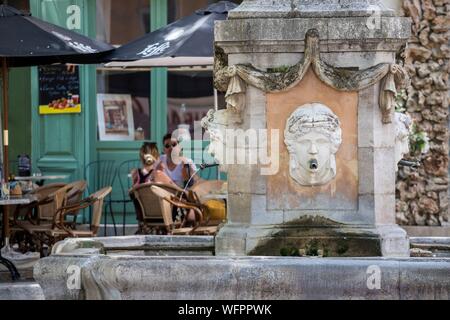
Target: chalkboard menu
59,89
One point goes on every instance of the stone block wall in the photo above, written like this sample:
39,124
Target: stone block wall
422,195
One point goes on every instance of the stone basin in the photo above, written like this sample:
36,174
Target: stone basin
138,276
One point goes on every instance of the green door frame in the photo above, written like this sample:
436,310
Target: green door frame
158,95
73,159
158,79
127,150
87,145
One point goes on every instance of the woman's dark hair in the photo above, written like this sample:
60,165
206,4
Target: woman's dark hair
167,136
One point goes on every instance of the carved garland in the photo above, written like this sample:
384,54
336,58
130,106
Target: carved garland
234,79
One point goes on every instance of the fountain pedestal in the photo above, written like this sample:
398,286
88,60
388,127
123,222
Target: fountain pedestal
330,187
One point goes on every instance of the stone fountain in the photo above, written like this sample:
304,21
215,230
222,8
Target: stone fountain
309,87
322,75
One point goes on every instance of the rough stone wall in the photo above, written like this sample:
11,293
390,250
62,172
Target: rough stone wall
422,195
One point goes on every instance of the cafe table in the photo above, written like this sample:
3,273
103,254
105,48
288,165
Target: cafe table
6,202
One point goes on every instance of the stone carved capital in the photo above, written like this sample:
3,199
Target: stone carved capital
234,79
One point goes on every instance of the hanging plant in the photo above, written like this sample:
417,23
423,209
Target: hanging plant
418,141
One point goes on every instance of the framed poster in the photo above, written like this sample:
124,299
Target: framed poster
115,117
59,89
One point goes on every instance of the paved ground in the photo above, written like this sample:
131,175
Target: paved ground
22,290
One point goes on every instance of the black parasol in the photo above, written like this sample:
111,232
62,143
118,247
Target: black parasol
188,41
28,41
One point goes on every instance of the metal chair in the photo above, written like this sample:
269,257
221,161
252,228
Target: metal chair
126,183
101,174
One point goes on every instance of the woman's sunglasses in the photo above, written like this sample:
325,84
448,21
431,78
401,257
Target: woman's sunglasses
168,145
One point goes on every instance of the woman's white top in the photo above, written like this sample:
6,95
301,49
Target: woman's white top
177,174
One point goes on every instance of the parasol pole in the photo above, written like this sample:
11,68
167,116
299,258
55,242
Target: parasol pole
5,145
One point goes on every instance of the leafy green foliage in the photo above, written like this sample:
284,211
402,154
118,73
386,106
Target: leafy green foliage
418,140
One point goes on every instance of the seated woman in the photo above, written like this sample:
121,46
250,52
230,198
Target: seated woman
148,155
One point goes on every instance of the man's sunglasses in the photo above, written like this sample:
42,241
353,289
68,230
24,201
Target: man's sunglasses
173,145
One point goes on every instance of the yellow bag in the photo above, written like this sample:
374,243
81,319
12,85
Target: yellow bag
216,209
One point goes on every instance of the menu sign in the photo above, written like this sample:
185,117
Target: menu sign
59,89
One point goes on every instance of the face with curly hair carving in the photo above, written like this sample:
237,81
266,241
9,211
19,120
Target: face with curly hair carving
313,136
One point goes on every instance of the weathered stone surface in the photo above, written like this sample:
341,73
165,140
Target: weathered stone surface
330,30
420,253
428,206
429,10
21,291
249,278
413,9
427,62
441,24
302,8
347,40
148,245
417,52
436,166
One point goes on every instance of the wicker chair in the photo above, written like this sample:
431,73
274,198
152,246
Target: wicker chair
168,199
153,209
44,206
75,195
102,174
61,230
36,229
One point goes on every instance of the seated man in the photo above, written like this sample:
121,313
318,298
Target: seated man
172,164
173,168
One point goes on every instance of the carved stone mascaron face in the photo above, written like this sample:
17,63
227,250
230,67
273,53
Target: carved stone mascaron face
313,136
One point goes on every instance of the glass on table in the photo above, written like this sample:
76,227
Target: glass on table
5,190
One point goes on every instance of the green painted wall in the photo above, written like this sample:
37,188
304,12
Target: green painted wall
59,145
19,115
65,144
